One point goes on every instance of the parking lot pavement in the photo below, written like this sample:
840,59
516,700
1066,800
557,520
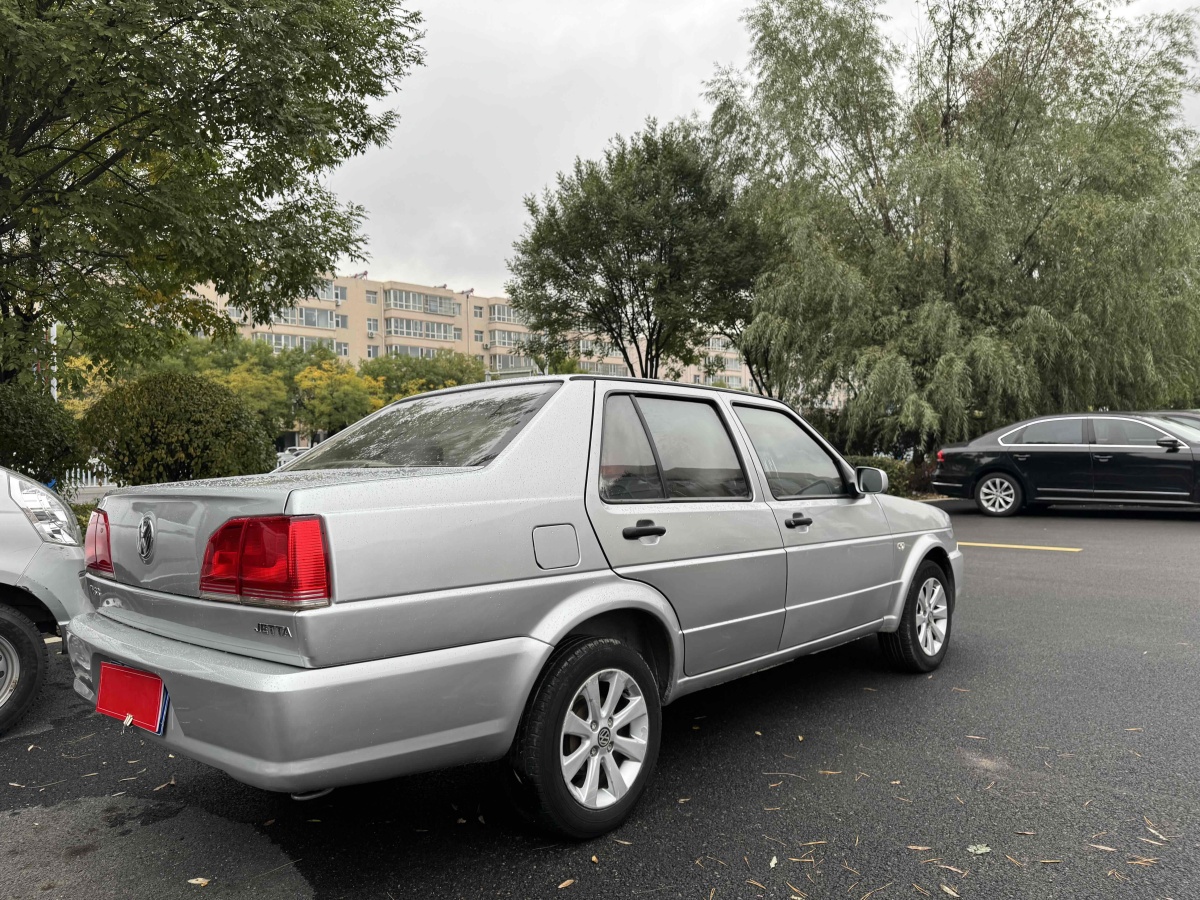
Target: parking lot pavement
1057,741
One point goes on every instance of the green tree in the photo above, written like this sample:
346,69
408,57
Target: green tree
173,426
1013,232
147,146
332,396
638,248
38,437
403,376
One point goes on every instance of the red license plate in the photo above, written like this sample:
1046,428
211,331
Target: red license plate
135,697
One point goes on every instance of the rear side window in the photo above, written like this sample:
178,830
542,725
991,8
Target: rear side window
690,450
1050,431
795,464
465,428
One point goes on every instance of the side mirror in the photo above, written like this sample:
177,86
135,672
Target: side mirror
1169,443
872,481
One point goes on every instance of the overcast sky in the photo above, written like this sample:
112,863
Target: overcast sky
510,94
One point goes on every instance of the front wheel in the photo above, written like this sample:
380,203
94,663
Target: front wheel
589,739
998,494
23,665
920,643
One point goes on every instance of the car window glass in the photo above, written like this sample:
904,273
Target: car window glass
795,464
464,428
697,455
1052,431
1186,428
627,468
1125,432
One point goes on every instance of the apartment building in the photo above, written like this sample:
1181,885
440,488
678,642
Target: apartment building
359,318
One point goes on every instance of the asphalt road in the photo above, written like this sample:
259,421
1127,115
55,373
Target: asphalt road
1060,734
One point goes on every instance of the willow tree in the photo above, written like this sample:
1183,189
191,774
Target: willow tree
996,221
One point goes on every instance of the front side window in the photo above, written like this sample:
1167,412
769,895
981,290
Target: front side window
1050,431
1125,432
691,450
795,464
465,428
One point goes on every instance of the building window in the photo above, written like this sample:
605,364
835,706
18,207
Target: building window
316,318
500,338
480,357
408,350
502,361
418,302
280,342
405,327
325,290
372,326
442,331
733,381
718,343
341,348
286,317
602,368
441,306
478,337
594,349
501,312
479,312
372,351
457,333
373,297
341,321
340,293
695,379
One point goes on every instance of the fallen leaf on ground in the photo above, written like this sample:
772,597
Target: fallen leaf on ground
1013,861
755,883
1102,847
979,849
949,890
976,737
596,859
917,847
202,882
567,883
1143,861
830,772
626,843
774,862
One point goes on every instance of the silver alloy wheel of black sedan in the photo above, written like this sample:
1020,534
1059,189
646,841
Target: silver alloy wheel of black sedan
998,495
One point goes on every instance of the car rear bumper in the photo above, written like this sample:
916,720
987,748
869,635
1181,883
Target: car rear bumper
284,728
951,487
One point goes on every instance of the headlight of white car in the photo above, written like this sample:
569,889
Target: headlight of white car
51,518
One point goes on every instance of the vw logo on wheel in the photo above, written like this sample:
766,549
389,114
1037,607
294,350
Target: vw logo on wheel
145,538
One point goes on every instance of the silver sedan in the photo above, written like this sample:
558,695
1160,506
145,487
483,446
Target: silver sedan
525,570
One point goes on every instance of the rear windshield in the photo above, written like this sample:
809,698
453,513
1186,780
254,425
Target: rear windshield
466,428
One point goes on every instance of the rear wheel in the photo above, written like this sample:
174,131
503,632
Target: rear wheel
921,641
23,666
589,739
998,494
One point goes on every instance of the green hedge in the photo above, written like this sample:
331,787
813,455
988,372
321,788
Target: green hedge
37,436
172,426
900,473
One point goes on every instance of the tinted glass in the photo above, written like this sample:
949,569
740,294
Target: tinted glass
468,428
1125,432
1182,426
627,469
795,464
697,456
1051,431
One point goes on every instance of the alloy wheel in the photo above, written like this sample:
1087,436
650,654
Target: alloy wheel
10,670
933,612
997,495
604,739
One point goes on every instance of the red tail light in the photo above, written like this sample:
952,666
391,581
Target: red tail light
941,456
267,561
97,548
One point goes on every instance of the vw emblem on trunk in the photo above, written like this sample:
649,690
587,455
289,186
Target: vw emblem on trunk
145,538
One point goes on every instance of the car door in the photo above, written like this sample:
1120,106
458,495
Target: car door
1053,458
1131,466
674,506
841,567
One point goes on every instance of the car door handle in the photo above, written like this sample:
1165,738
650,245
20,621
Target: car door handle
1021,457
1105,458
644,528
797,520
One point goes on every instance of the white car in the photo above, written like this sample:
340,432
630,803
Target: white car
41,560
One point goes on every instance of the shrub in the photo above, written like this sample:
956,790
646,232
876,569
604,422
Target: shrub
899,472
171,426
38,437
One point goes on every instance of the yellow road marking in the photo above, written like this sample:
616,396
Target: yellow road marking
1022,547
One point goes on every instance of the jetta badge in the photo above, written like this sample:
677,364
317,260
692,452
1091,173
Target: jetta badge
145,538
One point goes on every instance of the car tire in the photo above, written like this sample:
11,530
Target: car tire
928,610
998,494
573,763
24,663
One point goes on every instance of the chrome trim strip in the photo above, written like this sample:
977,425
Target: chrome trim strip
696,561
1155,493
886,584
771,612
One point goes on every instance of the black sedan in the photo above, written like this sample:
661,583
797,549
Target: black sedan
1138,458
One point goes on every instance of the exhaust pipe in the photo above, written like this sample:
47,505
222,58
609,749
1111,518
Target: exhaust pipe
312,795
